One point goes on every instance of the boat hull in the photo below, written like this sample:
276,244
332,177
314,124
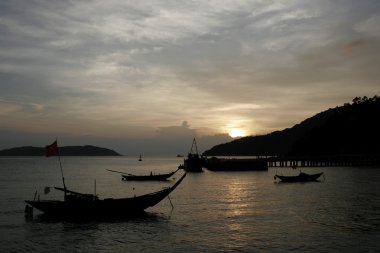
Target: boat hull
86,207
221,164
302,177
193,163
159,177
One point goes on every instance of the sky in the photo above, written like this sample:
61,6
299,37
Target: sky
149,76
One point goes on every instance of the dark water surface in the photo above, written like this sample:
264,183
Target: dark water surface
213,211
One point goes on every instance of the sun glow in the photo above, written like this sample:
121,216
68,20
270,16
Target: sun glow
237,132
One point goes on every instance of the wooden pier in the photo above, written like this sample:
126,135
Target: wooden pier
324,161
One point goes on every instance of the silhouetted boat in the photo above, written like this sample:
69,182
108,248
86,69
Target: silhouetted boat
302,177
234,164
150,177
194,162
77,204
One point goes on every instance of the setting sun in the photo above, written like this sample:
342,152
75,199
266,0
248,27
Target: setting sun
236,132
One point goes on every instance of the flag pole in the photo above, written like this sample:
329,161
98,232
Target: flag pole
60,165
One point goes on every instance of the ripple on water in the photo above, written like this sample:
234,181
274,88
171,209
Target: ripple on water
213,212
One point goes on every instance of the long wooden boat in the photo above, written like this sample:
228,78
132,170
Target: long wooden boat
302,177
150,177
77,204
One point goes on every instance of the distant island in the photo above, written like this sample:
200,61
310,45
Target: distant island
351,129
87,150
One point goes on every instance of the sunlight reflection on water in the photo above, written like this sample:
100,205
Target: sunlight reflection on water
213,212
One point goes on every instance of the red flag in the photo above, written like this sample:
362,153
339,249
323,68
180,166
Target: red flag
52,149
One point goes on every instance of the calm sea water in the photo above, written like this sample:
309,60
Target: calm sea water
213,211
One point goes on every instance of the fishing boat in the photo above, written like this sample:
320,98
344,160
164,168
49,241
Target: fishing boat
150,177
194,162
82,205
77,204
301,177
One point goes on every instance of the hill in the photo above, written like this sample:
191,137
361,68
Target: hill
348,129
87,150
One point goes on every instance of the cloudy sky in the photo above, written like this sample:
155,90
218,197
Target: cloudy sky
148,76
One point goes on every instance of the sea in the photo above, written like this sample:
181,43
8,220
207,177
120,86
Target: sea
208,212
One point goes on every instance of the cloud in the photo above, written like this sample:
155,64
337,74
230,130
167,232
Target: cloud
369,27
118,70
176,132
167,140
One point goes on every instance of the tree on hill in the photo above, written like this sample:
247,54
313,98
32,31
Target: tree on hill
348,129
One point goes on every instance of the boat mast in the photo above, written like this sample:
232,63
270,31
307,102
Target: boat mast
60,165
194,145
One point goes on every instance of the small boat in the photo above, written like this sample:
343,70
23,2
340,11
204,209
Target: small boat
77,204
194,162
302,177
140,159
150,177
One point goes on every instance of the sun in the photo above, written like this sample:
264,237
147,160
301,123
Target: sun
237,132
